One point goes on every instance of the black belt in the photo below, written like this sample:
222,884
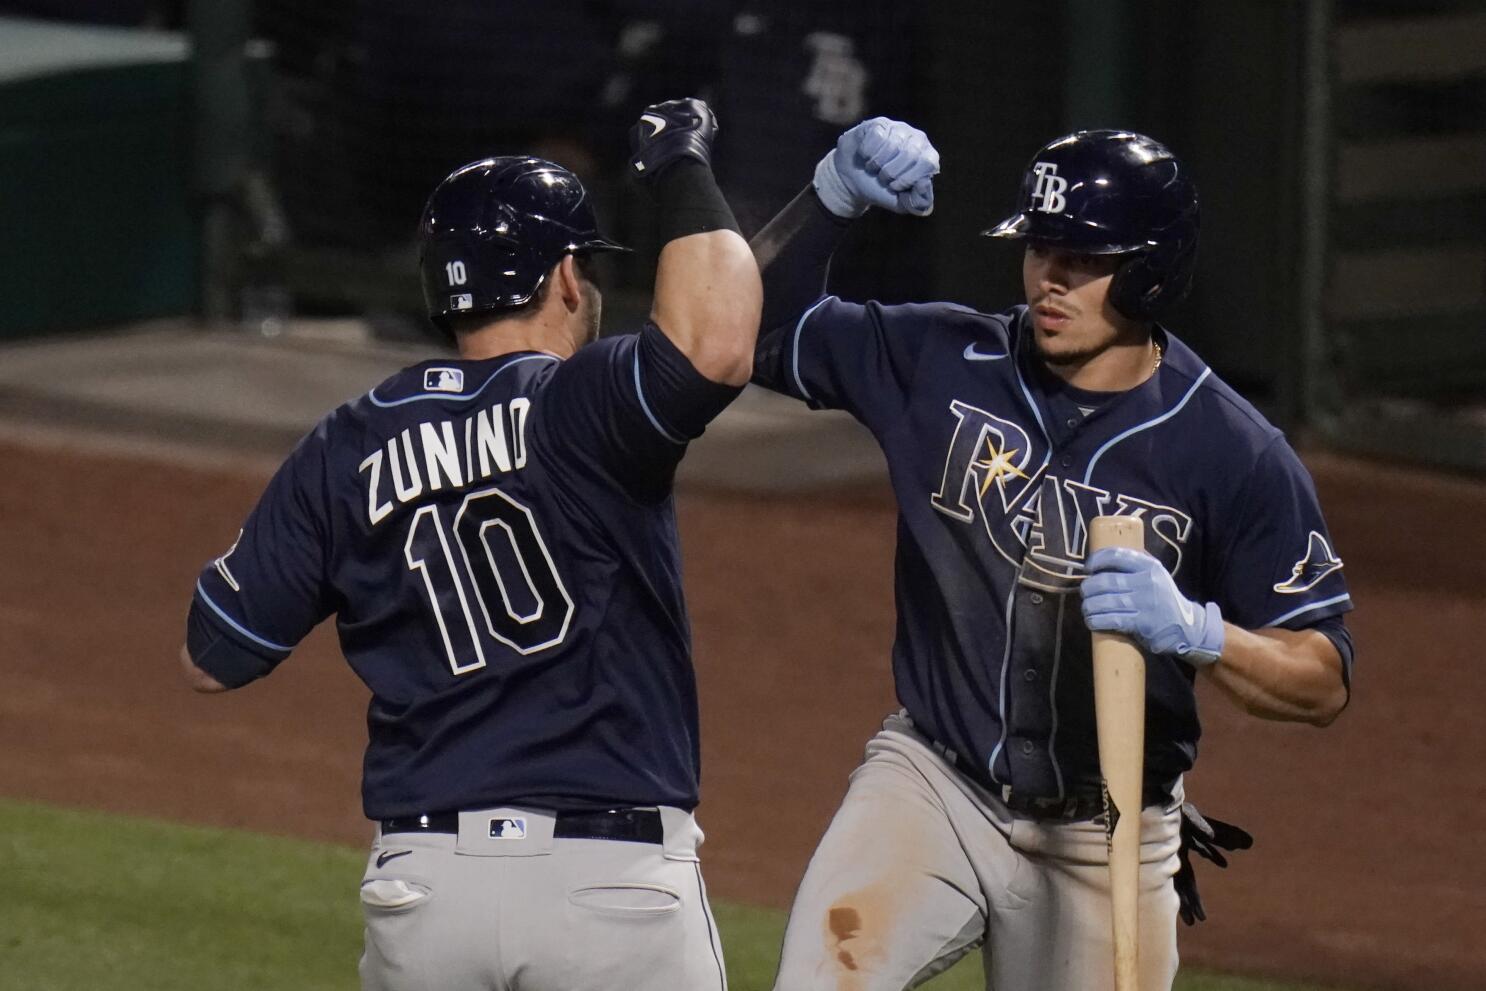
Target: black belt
1075,805
629,825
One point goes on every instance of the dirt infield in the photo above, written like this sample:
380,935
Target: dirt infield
1366,870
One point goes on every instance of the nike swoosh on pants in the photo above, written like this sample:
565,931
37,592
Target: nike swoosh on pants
382,858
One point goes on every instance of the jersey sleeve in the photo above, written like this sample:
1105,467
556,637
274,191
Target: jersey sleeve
856,357
630,405
1281,568
271,587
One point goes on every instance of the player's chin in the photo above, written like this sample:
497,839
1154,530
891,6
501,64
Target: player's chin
1055,350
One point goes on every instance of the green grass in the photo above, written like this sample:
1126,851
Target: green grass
101,902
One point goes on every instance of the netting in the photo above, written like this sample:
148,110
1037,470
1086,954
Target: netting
370,104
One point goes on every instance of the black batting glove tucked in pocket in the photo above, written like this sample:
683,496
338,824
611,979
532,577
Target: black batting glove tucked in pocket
1207,838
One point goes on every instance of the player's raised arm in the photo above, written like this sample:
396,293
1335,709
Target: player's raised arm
831,353
707,289
879,162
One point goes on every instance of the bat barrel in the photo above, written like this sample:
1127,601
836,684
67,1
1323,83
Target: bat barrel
1119,705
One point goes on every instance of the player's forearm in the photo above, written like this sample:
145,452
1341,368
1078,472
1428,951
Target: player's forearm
707,293
794,256
1290,675
707,300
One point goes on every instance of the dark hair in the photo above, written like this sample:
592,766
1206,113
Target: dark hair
465,323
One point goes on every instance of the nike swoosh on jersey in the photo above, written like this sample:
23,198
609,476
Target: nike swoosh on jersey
659,123
382,858
973,355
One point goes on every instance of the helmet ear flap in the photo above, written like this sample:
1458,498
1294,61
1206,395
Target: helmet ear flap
1150,282
1135,290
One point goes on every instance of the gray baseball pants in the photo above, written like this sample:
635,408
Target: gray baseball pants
921,865
514,909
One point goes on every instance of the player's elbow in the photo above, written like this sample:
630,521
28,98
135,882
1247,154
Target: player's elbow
725,366
708,300
197,679
1329,707
726,349
1332,691
720,346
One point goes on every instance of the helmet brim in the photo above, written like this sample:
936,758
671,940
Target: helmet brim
1013,227
1020,227
598,244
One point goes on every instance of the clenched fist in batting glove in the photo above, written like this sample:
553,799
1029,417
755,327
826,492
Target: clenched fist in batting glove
879,162
667,132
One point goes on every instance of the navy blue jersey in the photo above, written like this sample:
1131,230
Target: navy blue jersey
497,541
998,468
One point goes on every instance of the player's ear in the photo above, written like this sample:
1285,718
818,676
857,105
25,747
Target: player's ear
568,283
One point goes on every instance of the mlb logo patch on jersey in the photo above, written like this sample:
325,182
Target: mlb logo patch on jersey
443,380
508,829
461,301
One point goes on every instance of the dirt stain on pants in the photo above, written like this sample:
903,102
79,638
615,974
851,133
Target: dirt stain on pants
845,923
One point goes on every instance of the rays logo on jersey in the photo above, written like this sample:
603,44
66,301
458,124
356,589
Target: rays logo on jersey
1036,520
1318,562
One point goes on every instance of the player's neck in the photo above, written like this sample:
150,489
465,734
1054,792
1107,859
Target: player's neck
1125,364
542,331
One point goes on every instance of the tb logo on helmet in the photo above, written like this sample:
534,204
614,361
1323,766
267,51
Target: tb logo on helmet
1050,188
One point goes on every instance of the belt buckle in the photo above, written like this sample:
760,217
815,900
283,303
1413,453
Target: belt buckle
1045,807
1051,807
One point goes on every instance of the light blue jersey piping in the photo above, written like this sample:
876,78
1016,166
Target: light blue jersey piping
388,404
236,625
1334,600
640,393
1146,425
795,349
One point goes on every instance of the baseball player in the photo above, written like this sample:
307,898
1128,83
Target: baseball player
974,817
496,536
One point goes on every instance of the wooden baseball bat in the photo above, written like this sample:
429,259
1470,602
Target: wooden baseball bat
1119,711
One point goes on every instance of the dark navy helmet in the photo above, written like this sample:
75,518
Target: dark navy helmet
492,231
1114,193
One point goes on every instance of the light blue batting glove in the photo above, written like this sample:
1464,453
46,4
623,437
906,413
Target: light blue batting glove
880,162
1130,592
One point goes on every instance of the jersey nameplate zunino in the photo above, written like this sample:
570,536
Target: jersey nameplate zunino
1036,520
445,454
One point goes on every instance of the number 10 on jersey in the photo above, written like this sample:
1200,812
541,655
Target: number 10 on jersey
496,558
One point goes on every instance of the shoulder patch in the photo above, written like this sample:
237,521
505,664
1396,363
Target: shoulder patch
1318,562
443,380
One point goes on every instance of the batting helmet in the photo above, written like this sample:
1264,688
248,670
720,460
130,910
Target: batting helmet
492,231
1114,193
